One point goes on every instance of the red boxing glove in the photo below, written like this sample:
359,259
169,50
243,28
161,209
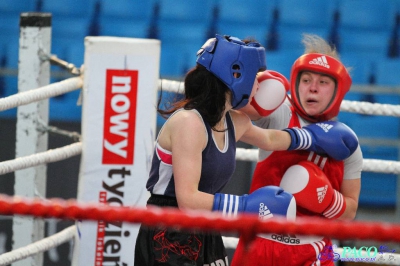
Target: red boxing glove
271,93
312,190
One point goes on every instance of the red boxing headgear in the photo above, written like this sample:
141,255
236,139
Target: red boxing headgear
327,65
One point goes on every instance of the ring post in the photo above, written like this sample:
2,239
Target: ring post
35,36
118,132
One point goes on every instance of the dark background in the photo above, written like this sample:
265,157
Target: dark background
62,180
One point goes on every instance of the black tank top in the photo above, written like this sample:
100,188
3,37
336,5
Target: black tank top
217,166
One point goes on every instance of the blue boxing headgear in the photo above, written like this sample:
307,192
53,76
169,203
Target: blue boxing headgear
235,63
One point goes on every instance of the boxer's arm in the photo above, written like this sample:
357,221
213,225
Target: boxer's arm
350,190
351,185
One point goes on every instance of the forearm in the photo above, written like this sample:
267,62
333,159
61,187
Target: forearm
351,209
351,192
268,139
277,140
195,200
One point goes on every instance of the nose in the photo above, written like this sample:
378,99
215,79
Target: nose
313,86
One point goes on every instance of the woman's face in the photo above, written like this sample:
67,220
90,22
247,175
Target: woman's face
315,92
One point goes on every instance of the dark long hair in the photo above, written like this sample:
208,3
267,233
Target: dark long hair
203,92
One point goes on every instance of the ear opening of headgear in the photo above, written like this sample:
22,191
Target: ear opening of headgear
327,65
235,63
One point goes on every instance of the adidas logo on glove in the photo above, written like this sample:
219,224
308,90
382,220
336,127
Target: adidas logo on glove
321,192
321,61
264,213
325,127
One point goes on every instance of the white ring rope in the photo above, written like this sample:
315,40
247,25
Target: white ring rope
48,156
38,246
58,154
171,85
369,165
381,166
75,83
42,93
370,108
346,106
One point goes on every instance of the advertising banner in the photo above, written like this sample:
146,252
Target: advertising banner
118,132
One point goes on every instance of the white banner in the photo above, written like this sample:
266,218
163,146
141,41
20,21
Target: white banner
118,132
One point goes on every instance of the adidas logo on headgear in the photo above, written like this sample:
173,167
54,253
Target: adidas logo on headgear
321,61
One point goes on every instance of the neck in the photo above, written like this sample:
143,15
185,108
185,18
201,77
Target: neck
220,126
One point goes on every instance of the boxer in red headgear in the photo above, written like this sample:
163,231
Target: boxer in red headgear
323,186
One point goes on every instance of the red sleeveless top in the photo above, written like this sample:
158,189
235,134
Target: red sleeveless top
271,170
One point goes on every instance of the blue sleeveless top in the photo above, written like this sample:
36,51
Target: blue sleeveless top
216,170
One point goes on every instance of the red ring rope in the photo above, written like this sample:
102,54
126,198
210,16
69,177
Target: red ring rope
153,216
245,224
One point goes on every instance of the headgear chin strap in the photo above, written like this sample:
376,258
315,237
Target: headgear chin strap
235,63
327,65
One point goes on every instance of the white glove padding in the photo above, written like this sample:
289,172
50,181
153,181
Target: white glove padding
271,93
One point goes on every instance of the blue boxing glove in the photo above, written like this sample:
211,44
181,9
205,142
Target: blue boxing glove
330,138
266,202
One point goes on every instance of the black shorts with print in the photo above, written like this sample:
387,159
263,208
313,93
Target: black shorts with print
169,246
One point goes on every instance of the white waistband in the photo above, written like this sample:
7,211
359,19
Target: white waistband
291,239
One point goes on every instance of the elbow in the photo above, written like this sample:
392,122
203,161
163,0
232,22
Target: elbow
347,216
186,200
182,203
350,216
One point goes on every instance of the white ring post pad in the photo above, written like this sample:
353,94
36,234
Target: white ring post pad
118,132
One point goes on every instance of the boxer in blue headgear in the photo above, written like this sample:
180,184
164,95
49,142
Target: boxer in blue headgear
235,63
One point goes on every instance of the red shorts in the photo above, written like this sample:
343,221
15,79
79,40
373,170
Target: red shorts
265,251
